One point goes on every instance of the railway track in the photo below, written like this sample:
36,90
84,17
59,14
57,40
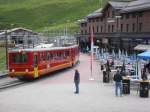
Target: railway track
7,82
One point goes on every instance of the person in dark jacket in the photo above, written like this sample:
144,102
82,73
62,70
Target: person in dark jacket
77,81
118,83
144,75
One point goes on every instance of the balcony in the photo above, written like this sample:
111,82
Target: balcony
116,35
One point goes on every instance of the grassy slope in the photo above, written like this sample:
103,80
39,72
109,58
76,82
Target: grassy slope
36,14
2,59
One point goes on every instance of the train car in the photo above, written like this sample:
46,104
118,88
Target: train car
35,62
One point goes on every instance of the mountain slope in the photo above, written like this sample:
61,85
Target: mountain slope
38,14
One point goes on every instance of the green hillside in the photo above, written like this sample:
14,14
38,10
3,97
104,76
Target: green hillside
38,14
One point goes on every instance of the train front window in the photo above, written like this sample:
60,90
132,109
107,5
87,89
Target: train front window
20,58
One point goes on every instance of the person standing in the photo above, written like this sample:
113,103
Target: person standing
144,74
77,81
118,83
108,70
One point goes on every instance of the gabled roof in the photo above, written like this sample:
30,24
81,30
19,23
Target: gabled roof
96,13
117,5
82,21
16,29
138,5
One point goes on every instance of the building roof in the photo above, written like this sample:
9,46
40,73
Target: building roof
96,13
141,47
82,20
17,29
118,5
42,49
123,6
138,5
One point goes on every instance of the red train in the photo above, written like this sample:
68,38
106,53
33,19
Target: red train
33,63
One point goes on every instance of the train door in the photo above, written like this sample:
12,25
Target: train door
35,66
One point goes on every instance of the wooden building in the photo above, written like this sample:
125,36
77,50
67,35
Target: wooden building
118,25
20,36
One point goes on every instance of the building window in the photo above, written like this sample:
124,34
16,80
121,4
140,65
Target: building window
133,27
89,20
133,15
108,14
140,27
127,27
97,28
85,24
93,29
101,28
108,28
101,19
85,31
121,27
89,29
81,31
122,16
97,19
82,25
113,14
140,14
127,16
112,28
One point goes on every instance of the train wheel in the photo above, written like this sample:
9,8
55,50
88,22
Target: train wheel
21,78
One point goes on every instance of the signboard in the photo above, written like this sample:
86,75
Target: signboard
105,41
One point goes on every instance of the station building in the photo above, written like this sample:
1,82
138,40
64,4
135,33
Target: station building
20,36
121,25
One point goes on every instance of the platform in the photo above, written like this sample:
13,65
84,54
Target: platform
56,94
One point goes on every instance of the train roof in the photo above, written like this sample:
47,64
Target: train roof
42,49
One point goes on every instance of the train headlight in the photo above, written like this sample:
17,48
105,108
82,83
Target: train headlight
13,70
26,70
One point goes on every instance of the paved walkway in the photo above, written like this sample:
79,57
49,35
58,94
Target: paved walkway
55,94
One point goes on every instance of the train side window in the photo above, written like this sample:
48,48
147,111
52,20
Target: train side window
52,56
57,56
42,57
48,56
65,54
61,55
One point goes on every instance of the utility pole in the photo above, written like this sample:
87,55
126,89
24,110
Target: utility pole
6,46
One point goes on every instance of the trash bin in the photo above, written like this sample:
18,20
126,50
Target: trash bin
102,67
105,77
144,89
126,85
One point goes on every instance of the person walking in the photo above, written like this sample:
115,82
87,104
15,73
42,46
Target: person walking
118,83
76,81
